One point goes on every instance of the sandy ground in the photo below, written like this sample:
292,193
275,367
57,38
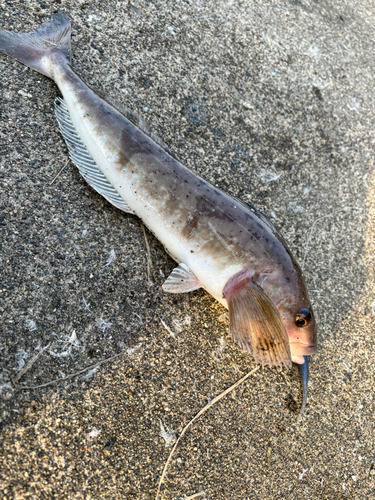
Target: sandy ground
272,102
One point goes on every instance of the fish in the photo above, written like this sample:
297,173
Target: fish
220,243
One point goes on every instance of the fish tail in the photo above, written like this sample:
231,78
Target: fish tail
36,49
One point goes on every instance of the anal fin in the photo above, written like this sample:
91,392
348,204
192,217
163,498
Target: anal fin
83,161
181,280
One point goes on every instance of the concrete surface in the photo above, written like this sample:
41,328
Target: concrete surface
272,101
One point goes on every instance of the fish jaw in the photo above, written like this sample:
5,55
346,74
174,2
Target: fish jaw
299,350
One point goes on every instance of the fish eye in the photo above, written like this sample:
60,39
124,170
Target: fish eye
303,317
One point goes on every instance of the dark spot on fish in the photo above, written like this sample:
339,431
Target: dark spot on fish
191,251
190,227
123,159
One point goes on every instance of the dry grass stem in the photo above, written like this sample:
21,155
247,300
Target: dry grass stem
56,176
196,495
27,367
203,410
72,375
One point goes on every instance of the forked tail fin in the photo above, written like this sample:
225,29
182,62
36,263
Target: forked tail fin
33,49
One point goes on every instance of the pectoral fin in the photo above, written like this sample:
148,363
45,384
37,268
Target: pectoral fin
181,280
256,325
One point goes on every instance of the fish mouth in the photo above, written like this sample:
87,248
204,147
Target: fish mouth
300,349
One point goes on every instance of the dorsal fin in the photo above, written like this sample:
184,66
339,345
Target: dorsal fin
262,217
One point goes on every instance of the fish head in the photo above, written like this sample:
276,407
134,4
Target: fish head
271,317
290,296
299,322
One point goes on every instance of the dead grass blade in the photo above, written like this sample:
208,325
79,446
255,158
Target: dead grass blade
200,413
